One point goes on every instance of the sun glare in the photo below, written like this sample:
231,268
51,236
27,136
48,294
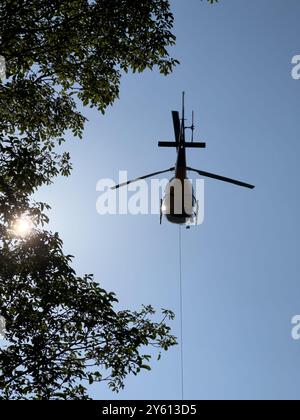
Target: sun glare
22,226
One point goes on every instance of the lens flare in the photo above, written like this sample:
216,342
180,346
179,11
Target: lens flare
22,226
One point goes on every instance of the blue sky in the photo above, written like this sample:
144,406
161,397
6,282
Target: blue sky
241,267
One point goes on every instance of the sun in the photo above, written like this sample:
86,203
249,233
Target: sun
22,226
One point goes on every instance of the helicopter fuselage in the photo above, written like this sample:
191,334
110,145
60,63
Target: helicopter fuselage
178,204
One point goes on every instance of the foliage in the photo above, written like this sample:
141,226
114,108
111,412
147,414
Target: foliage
63,331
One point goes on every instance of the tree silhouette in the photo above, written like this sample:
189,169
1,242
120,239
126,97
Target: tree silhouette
62,331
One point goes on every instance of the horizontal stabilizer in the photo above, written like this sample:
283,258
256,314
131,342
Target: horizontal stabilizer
194,145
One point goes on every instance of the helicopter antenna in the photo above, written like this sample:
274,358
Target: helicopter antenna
183,103
183,113
183,128
193,126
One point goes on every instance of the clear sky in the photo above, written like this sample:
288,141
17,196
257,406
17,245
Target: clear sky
241,268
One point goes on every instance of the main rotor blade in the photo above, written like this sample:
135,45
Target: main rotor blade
222,178
176,123
143,177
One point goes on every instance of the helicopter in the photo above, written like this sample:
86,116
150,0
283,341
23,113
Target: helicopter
179,204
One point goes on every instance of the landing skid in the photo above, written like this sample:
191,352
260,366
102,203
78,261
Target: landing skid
161,213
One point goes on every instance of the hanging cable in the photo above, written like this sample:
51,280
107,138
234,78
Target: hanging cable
181,314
